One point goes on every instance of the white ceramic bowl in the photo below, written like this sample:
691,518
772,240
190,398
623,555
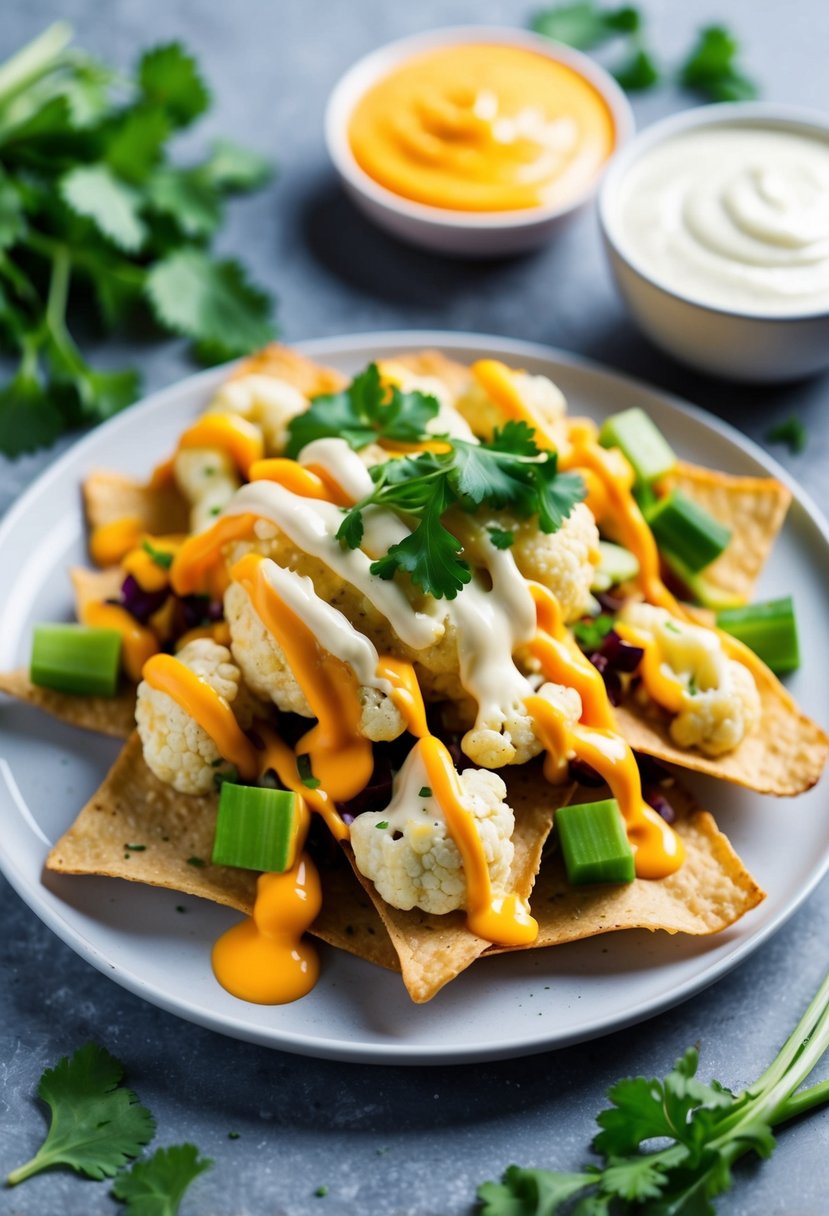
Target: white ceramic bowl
458,233
753,347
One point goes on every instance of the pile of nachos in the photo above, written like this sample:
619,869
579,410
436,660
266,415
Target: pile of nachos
410,662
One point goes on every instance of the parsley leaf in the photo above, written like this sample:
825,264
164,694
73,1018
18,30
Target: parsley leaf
500,538
95,191
365,411
710,68
231,167
170,78
431,555
585,25
97,1124
529,1192
29,419
156,1187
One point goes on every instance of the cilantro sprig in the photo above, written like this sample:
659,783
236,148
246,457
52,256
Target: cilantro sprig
156,1187
96,1123
368,410
92,203
508,471
707,1128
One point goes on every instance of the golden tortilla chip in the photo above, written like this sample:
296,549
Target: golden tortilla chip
133,807
784,755
111,496
710,891
283,363
752,507
90,586
113,716
434,949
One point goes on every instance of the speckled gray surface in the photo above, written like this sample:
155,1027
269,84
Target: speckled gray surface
388,1141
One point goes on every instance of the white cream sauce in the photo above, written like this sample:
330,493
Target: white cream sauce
733,216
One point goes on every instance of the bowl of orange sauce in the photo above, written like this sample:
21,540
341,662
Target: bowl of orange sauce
474,141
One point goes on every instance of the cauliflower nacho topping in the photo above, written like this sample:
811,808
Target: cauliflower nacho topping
385,607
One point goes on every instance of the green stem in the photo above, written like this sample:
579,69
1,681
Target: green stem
25,1171
33,60
806,1100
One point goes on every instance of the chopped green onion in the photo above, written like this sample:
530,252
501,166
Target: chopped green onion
686,530
770,629
590,634
792,432
306,773
384,823
642,443
616,565
76,659
594,843
256,828
425,792
700,589
161,557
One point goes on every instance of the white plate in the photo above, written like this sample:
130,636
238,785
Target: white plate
506,1006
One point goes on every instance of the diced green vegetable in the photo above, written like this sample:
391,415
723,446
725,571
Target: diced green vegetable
700,589
594,843
641,441
686,530
616,565
76,659
770,629
256,828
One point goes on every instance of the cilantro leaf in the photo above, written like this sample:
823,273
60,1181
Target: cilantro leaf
638,72
12,216
500,538
169,77
112,205
209,301
529,1192
591,633
792,432
430,555
97,1124
710,68
556,494
234,168
188,198
136,142
365,411
29,419
156,1187
585,25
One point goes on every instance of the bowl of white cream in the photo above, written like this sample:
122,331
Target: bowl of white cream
716,223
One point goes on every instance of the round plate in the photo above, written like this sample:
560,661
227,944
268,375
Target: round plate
504,1006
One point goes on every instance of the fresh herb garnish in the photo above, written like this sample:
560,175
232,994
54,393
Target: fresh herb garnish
590,634
306,774
321,1191
97,1124
708,1129
792,432
161,557
90,197
198,862
384,823
366,411
710,68
156,1187
500,538
136,848
424,792
508,471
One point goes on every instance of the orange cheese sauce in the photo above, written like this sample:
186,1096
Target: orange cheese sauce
231,433
138,643
483,127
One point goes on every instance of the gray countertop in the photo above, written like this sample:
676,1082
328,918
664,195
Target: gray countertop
393,1141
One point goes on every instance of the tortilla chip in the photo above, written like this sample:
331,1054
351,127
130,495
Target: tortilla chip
112,496
752,507
784,755
91,586
113,716
281,362
434,949
432,363
710,891
133,807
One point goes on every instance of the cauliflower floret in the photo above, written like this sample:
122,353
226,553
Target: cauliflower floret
505,734
268,402
543,398
718,719
563,561
177,749
714,698
267,673
208,479
407,852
